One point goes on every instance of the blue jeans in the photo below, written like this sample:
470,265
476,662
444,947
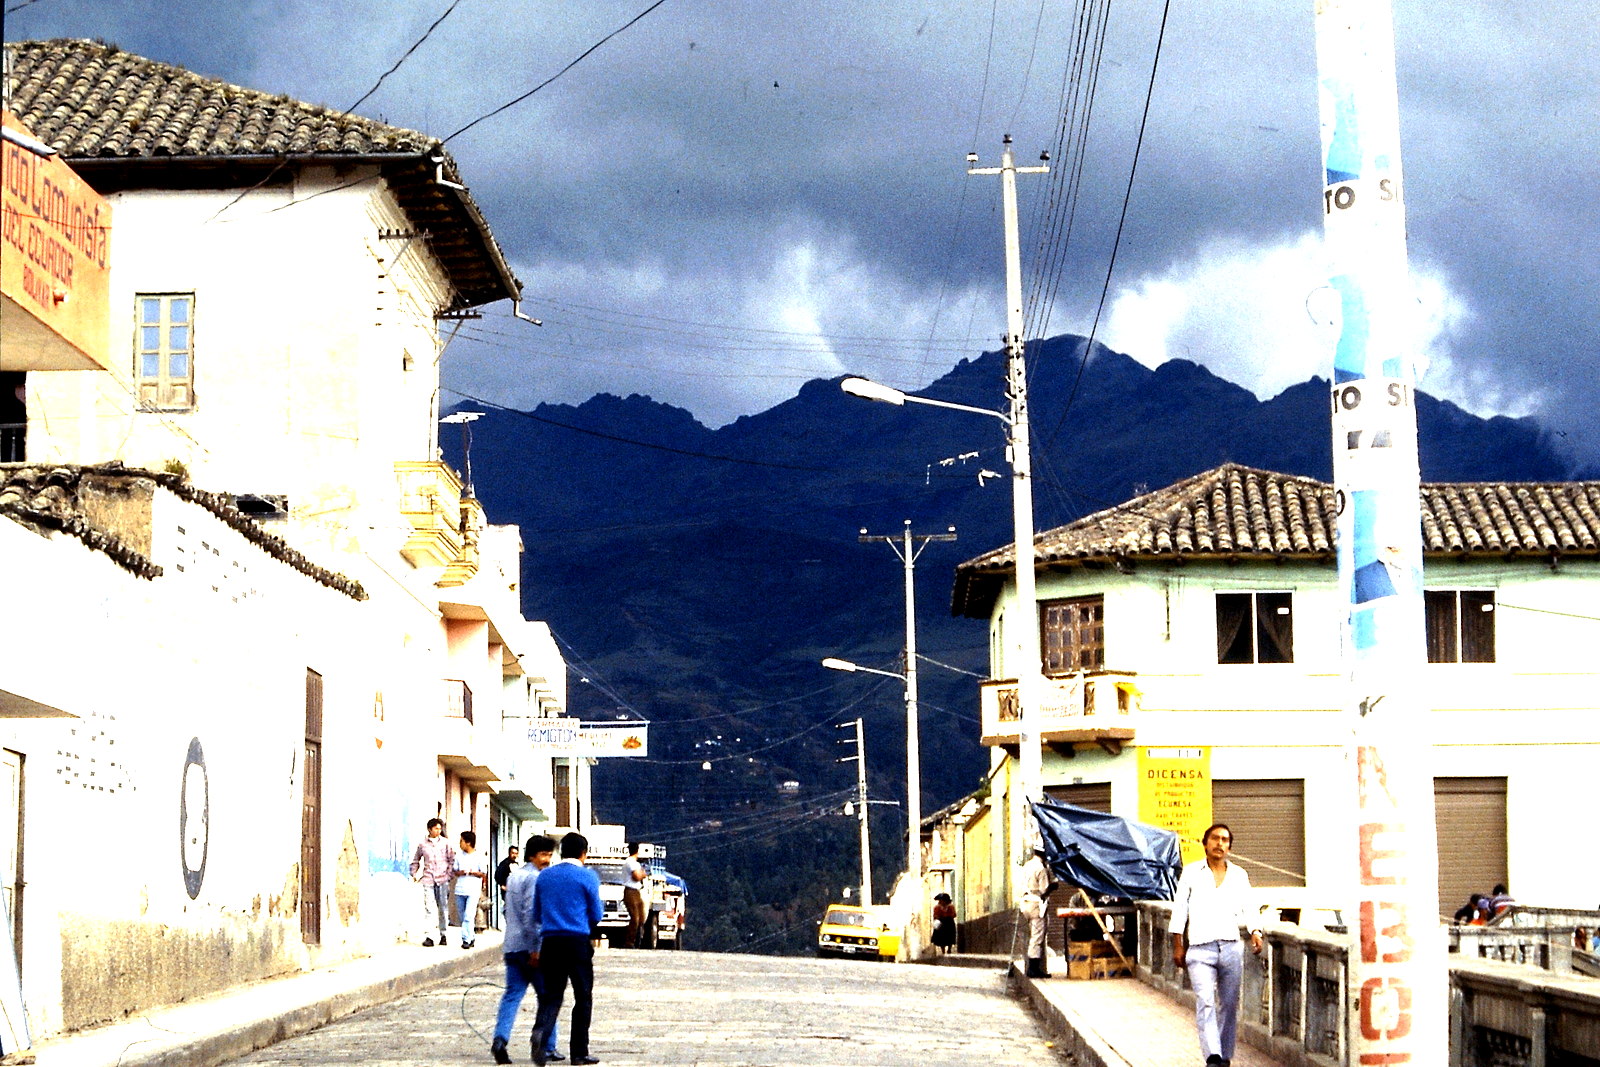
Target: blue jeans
1215,972
436,905
467,908
518,977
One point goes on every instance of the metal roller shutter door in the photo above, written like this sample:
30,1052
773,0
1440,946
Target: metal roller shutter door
1471,820
1268,820
1093,795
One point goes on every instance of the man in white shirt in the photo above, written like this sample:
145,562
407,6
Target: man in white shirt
1212,903
471,873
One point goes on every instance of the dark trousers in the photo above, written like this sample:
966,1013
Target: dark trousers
634,901
564,958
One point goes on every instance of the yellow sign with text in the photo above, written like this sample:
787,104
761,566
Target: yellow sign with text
1175,793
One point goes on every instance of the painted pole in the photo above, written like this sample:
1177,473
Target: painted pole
1398,994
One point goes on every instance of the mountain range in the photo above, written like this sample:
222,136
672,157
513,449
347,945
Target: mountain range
695,577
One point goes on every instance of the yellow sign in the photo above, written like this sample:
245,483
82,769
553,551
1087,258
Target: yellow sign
1175,793
55,268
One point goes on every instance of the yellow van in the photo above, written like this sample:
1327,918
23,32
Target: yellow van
858,931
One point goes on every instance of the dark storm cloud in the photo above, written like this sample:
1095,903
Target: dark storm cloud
729,199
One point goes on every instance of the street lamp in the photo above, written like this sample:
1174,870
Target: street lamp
1025,637
465,419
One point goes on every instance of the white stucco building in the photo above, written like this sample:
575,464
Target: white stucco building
1201,622
291,583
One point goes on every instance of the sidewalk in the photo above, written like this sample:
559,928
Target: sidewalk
211,1030
1121,1022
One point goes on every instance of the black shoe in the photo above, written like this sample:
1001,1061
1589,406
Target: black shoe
443,942
539,1056
1214,1060
497,1049
583,1061
554,1056
468,944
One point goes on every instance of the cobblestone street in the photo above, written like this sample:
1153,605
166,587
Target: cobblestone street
694,1008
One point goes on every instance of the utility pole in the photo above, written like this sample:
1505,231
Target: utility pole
1024,632
1398,991
860,759
908,546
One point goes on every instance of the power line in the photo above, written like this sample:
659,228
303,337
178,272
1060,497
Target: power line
402,59
581,57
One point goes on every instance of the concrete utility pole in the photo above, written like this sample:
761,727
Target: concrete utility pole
1398,1008
860,759
1024,632
908,546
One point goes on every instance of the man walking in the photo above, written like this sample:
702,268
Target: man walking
433,866
1212,903
471,873
566,910
521,932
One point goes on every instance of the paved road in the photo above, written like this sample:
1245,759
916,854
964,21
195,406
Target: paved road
700,1008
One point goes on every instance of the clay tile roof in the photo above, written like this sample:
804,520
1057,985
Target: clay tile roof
1239,513
123,121
47,498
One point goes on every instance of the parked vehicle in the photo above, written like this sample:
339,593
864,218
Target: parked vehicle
849,930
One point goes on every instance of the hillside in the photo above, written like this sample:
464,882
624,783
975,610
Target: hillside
699,575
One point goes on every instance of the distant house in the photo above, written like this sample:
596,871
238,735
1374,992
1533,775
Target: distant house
230,534
1200,624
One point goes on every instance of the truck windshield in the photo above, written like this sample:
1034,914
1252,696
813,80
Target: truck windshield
845,918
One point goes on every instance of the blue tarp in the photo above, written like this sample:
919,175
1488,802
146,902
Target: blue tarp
1108,855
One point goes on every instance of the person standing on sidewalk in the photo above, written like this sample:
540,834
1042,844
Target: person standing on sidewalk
433,866
472,871
502,872
521,933
1212,904
632,897
566,910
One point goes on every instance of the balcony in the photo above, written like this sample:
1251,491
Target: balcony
1093,706
463,747
444,527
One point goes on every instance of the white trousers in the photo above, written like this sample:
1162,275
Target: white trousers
1216,969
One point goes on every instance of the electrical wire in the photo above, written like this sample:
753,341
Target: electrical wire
397,63
581,57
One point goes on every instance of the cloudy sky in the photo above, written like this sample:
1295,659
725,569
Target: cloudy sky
730,198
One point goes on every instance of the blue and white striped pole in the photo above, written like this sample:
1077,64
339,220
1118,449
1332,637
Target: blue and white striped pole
1398,991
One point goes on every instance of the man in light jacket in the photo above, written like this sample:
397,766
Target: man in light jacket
1212,904
521,933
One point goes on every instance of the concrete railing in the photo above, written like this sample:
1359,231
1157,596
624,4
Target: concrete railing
1293,1002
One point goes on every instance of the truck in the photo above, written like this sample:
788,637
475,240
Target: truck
663,892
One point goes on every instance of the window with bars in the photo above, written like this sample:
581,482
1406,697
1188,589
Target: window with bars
1460,625
1073,634
163,365
1255,627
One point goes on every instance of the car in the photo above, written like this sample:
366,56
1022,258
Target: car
850,930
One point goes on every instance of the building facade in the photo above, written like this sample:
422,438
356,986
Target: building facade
1191,637
262,632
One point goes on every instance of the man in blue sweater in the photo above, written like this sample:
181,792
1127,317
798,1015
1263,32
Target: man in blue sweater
565,911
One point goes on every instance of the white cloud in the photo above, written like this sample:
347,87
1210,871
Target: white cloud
1261,316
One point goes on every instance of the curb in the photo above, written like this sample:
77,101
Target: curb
1072,1032
317,1008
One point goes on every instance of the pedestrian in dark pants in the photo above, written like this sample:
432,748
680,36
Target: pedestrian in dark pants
521,932
566,908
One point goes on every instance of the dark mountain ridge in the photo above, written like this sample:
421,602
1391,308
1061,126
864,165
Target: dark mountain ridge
698,575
